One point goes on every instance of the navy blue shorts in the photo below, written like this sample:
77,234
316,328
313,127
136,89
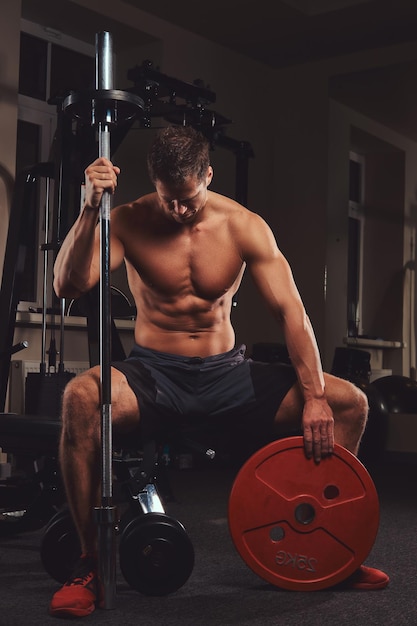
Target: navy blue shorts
227,392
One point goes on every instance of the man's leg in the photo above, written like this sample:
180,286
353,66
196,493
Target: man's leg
80,461
348,403
350,411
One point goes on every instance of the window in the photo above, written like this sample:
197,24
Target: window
33,66
356,219
51,65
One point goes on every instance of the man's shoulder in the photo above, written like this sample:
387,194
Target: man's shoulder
250,231
241,215
136,207
228,206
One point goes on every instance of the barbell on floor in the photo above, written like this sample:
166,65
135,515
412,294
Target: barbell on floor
155,552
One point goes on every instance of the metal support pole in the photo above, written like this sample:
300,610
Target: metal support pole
106,514
45,280
104,107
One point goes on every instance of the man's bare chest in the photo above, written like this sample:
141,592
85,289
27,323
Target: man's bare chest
205,263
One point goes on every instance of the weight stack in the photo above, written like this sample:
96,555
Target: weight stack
43,392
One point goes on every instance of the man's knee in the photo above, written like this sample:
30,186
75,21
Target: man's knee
83,389
363,408
80,405
353,406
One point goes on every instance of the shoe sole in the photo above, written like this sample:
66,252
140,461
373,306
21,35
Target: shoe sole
70,611
369,587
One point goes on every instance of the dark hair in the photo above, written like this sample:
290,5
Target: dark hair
176,153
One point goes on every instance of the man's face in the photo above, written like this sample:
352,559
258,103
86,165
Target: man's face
183,202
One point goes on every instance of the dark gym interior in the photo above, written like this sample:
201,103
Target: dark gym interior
310,112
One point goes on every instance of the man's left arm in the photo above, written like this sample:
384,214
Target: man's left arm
273,277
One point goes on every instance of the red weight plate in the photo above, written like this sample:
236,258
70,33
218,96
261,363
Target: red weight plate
300,525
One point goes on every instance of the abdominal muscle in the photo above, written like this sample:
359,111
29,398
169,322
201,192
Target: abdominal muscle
188,327
183,288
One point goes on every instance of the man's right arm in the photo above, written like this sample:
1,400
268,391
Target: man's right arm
77,265
75,268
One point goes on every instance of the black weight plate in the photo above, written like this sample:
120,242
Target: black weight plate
60,546
156,554
123,105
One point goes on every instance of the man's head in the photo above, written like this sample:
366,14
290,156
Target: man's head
179,167
178,153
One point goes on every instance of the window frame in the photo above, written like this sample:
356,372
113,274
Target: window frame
44,115
356,211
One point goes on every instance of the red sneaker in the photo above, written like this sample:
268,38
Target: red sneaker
78,596
366,579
